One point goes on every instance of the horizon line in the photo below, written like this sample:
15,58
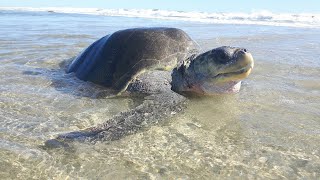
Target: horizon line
157,9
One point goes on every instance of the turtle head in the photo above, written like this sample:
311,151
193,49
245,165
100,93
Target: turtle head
217,71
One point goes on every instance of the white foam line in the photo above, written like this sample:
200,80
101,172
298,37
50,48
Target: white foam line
258,18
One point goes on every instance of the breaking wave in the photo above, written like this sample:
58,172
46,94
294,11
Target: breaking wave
259,17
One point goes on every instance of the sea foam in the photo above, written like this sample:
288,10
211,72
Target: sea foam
257,17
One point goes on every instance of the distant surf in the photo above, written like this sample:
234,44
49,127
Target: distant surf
311,20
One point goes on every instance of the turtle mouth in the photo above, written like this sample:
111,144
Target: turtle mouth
235,75
239,72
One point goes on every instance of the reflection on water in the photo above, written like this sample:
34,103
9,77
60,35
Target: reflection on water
271,129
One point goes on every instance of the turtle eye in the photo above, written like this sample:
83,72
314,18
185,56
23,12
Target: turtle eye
223,56
220,55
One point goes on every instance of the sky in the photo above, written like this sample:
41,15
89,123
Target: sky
277,6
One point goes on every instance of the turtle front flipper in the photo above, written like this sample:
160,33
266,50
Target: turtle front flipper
62,140
154,109
121,84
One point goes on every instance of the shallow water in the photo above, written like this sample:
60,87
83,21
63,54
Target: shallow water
271,129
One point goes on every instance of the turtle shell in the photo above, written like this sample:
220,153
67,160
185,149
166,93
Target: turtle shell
116,59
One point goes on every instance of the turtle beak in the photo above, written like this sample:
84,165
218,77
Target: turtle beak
244,57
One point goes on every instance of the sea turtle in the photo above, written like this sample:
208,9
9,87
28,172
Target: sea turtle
165,64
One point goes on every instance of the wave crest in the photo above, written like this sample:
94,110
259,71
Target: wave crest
259,17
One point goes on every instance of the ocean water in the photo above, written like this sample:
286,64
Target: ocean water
269,130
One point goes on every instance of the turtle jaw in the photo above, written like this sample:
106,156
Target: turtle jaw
233,76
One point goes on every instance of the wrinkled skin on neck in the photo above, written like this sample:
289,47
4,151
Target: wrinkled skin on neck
214,72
